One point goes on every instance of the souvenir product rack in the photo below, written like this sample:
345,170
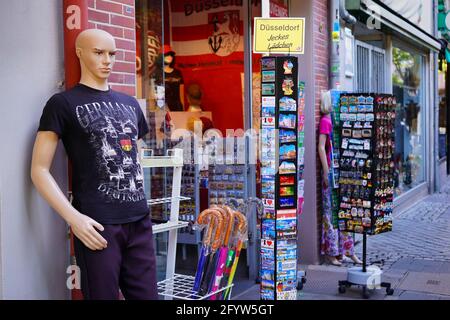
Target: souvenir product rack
190,181
175,285
366,163
336,142
228,168
366,175
279,174
226,163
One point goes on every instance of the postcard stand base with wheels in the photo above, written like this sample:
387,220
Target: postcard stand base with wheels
368,277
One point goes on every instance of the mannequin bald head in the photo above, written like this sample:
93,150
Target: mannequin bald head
96,50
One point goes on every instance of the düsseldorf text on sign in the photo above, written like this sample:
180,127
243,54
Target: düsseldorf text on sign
279,35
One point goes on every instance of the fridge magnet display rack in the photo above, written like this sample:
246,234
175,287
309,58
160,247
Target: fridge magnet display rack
366,164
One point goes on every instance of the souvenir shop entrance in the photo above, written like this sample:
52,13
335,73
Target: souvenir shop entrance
199,84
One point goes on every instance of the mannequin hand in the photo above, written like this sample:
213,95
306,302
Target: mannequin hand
84,229
325,179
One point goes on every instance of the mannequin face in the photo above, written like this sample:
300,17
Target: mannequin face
96,50
168,59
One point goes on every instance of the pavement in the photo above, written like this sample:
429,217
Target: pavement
414,258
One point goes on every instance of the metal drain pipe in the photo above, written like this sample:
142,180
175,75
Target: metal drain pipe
345,15
337,12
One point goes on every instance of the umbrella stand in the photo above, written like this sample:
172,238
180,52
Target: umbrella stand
229,214
242,232
214,217
231,249
213,257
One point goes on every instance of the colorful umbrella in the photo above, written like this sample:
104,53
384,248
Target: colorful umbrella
231,248
211,262
223,253
210,218
241,235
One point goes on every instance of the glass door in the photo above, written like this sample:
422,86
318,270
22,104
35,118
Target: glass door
150,94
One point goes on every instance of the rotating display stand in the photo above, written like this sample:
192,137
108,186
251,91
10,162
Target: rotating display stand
368,277
175,285
279,177
366,167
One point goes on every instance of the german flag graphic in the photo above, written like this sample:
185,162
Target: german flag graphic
126,144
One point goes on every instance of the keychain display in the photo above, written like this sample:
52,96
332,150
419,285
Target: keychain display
188,208
385,166
282,154
366,163
226,181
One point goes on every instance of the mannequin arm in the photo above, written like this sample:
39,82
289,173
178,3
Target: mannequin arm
323,157
82,226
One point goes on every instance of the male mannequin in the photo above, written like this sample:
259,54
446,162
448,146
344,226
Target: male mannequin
194,97
100,129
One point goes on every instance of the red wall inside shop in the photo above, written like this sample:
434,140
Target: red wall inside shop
219,75
222,95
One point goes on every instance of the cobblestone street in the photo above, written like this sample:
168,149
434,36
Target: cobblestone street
421,232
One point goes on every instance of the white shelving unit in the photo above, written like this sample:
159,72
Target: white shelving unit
175,285
180,287
174,159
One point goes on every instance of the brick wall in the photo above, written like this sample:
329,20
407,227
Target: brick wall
321,39
118,18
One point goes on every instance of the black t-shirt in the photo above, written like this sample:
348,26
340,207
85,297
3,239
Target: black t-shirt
172,82
100,130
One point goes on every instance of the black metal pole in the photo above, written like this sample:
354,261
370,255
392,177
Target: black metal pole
364,250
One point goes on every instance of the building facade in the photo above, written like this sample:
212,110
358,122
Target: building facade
382,47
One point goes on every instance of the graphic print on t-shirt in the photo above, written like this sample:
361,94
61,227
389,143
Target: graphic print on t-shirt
113,134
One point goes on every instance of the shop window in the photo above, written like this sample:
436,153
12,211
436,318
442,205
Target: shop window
207,41
150,93
408,83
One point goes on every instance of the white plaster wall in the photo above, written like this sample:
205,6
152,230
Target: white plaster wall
33,245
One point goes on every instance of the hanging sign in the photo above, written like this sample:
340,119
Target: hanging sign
279,35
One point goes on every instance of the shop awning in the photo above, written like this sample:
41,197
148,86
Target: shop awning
389,19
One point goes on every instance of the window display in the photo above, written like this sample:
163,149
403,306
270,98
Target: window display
208,77
409,124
